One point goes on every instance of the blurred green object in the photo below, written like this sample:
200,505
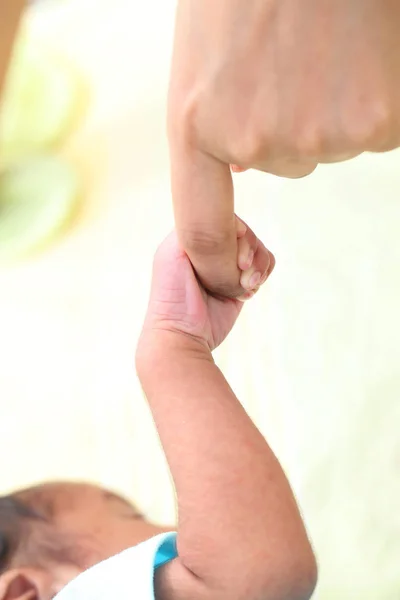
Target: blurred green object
38,197
43,99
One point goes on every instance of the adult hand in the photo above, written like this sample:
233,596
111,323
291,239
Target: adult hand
276,85
10,16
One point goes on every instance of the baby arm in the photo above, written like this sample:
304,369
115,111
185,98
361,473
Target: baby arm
240,534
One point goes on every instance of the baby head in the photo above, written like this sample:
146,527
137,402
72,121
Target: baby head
51,533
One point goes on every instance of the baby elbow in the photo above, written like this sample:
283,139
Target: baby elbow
304,580
295,580
289,578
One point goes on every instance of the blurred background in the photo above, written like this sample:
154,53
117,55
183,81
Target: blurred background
84,201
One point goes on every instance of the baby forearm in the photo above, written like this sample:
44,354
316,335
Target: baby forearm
237,514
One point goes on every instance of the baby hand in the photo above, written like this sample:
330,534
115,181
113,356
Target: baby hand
254,260
179,303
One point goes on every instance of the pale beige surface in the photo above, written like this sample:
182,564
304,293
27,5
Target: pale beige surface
315,357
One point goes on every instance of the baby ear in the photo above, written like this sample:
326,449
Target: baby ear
24,584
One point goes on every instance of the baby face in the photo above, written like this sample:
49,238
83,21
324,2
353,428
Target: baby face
98,521
65,528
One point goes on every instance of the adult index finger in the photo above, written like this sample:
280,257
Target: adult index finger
203,198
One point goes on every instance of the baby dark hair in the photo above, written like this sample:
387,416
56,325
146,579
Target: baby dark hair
27,535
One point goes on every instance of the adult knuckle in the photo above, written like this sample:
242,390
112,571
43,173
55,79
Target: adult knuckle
308,143
382,119
249,150
183,115
369,126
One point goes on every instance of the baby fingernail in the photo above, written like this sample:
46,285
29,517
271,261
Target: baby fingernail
250,258
245,260
245,296
254,280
